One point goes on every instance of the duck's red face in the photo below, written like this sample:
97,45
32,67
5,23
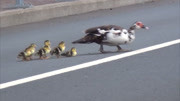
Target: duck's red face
139,25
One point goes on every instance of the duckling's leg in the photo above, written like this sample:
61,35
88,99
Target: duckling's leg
58,56
42,55
23,59
51,53
45,56
26,58
57,53
30,57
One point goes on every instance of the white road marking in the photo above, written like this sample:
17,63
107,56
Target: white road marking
86,65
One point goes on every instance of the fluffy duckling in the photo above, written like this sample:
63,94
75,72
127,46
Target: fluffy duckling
42,53
31,48
59,49
71,53
27,53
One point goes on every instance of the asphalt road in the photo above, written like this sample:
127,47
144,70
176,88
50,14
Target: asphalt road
151,76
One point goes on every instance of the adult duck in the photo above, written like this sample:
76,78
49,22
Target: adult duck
111,35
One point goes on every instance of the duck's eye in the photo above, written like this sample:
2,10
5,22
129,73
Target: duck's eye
139,24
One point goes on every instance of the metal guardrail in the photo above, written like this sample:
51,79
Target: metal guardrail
64,0
20,4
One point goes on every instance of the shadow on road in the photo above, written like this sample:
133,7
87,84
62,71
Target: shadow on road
88,54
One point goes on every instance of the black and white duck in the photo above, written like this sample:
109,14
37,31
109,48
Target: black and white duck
111,35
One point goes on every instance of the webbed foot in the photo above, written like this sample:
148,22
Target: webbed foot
123,50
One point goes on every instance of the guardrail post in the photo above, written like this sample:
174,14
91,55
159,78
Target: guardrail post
20,4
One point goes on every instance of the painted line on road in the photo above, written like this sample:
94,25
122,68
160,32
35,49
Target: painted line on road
86,65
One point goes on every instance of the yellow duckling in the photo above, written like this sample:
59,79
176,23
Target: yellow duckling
42,53
71,53
27,53
31,48
59,49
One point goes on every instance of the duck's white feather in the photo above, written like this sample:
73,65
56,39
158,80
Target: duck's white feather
113,39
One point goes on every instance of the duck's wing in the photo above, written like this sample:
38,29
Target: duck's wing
95,30
102,29
97,34
115,27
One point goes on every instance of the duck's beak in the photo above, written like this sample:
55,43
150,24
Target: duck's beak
144,27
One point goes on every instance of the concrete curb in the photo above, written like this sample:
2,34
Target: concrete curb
49,11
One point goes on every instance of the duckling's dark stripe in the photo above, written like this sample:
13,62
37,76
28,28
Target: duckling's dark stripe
42,52
59,49
22,54
56,51
71,53
52,52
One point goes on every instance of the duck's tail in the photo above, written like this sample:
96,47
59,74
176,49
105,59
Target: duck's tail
80,41
85,40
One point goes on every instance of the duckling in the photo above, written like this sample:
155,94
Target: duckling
71,53
31,48
42,53
27,53
59,49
